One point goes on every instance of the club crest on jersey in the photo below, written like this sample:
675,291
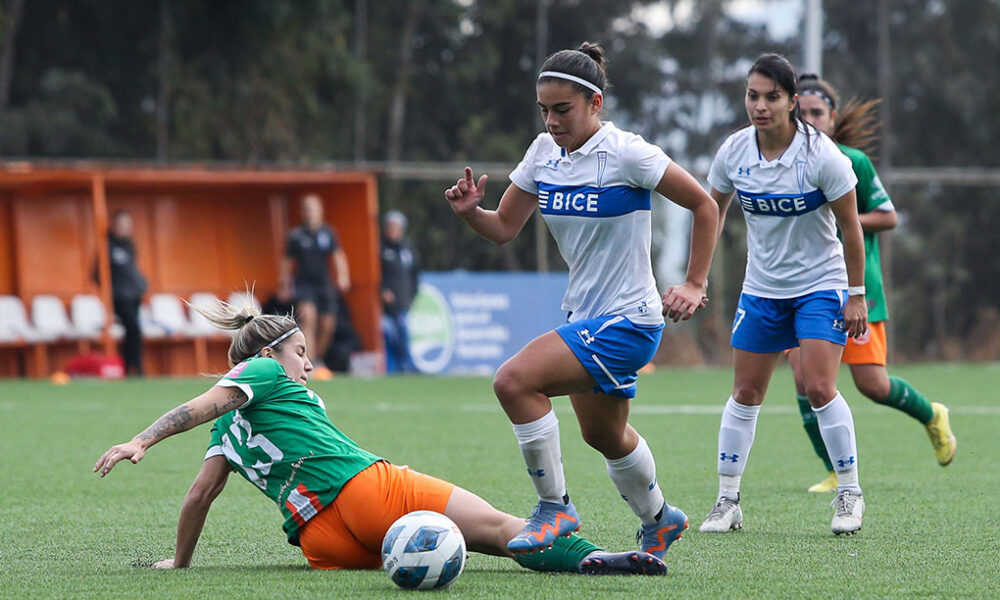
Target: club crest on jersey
602,163
800,171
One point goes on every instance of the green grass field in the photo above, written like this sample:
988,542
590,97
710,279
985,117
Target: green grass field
929,532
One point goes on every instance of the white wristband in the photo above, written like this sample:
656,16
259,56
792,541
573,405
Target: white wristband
856,290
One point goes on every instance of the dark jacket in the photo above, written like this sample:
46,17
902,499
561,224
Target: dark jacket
127,283
400,272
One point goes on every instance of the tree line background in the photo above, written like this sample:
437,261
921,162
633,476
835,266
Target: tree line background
285,82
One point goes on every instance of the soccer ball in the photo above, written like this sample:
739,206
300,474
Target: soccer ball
423,550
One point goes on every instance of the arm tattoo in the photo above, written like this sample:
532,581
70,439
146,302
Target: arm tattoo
235,398
175,421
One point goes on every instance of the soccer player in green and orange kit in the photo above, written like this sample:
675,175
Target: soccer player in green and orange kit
337,499
854,130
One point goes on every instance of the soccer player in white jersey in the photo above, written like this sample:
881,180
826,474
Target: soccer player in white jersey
802,286
337,499
591,183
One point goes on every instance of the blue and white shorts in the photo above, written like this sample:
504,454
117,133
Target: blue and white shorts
612,349
768,325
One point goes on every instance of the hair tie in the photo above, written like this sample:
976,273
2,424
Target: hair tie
248,319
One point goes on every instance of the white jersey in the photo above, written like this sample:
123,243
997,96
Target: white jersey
792,245
596,202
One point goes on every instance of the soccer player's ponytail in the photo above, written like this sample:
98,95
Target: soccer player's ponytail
857,125
585,67
254,331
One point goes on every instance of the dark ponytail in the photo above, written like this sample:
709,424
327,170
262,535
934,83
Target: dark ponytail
587,62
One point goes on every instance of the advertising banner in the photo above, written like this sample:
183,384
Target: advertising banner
470,323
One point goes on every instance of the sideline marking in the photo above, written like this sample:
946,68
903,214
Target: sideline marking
675,409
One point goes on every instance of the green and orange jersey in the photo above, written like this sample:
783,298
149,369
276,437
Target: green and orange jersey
871,194
282,441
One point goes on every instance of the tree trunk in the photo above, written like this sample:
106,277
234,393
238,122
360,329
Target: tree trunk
360,55
14,11
397,102
163,102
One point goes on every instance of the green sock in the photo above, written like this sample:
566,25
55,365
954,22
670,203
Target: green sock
564,555
812,430
906,398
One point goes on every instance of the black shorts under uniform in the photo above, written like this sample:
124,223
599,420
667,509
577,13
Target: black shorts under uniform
323,296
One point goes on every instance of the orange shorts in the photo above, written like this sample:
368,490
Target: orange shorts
869,349
348,533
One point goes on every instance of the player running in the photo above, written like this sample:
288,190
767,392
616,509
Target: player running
854,130
591,182
337,499
802,286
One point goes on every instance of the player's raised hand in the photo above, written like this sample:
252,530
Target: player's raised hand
682,301
466,194
132,450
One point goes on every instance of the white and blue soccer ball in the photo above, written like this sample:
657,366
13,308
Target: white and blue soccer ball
423,550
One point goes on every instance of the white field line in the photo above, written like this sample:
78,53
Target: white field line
671,409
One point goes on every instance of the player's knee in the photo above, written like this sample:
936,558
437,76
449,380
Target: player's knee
748,396
602,439
877,391
508,384
305,313
800,385
820,392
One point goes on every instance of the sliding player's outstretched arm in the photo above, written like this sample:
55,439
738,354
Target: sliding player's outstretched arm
215,402
205,489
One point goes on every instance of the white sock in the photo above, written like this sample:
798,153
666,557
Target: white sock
736,433
539,441
836,425
635,477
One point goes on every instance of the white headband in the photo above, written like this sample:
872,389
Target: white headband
821,95
280,339
572,78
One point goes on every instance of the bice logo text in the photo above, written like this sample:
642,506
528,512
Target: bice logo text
789,205
568,202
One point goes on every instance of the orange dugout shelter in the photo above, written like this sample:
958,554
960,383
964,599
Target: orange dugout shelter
196,230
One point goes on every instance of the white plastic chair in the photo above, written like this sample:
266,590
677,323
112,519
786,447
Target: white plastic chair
149,327
14,324
199,324
166,313
87,312
49,316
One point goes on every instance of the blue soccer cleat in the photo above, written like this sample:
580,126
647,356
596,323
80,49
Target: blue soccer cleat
548,521
656,538
600,562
